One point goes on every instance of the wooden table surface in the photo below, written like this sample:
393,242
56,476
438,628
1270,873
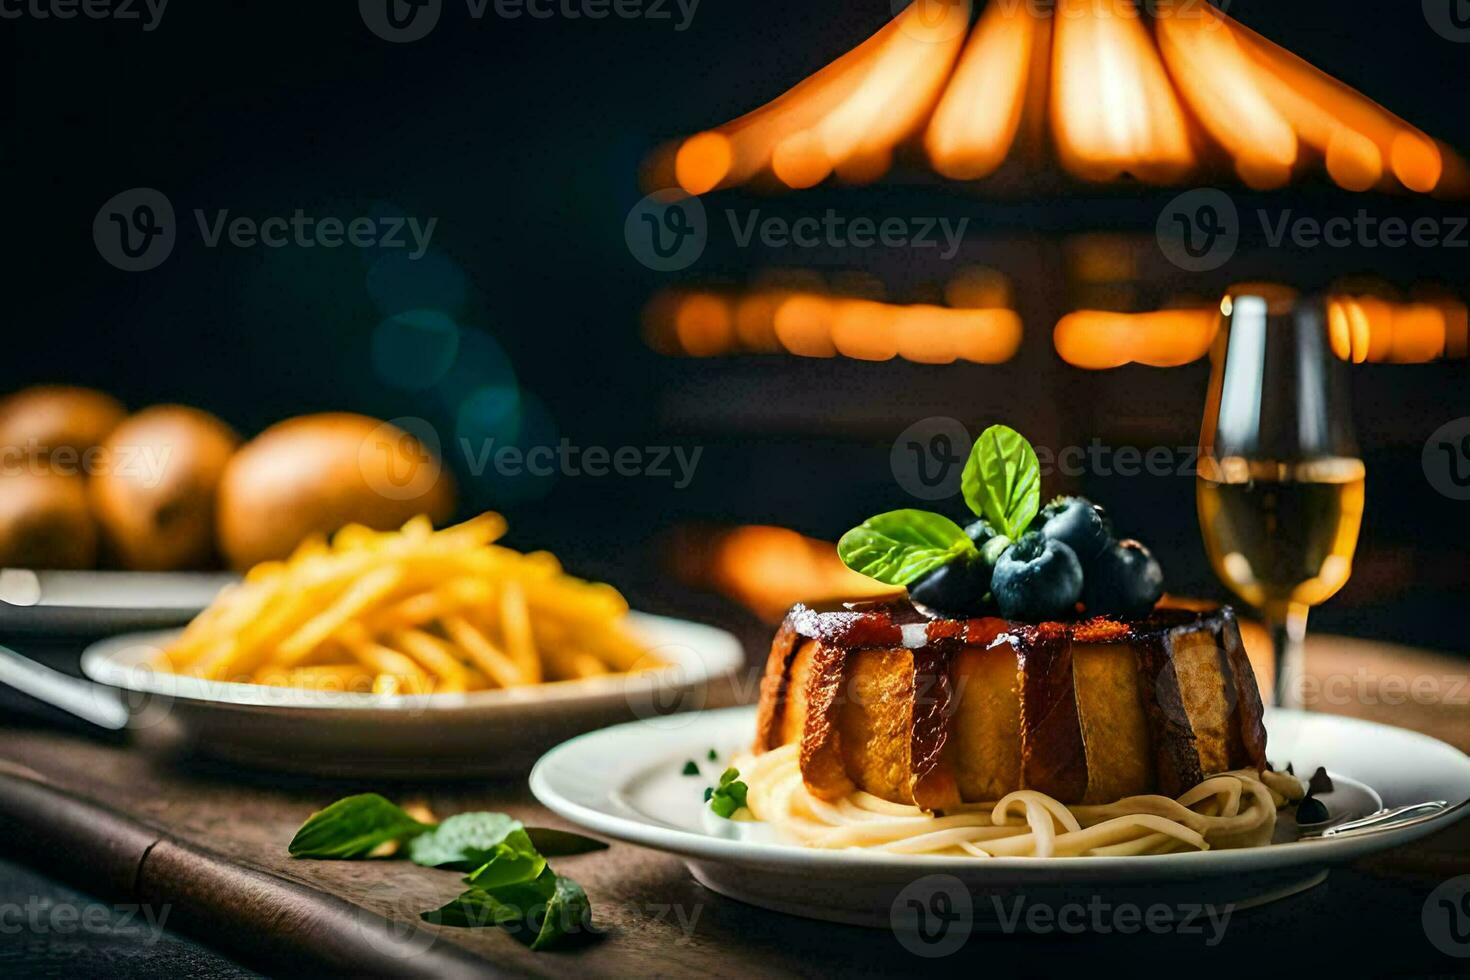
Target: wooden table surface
175,811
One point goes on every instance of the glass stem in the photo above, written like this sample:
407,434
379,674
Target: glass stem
1287,623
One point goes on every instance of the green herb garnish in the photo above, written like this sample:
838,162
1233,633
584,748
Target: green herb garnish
903,546
1002,480
1001,483
465,840
555,843
729,796
544,908
353,827
510,883
691,768
714,756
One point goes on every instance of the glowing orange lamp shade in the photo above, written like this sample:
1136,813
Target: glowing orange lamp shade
1154,91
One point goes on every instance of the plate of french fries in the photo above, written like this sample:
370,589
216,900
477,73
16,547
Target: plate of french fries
414,652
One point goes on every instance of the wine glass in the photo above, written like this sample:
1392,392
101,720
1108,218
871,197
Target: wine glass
1280,485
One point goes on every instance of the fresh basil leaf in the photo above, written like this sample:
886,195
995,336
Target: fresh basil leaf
568,913
546,909
562,843
476,908
902,546
511,862
464,841
1002,480
352,827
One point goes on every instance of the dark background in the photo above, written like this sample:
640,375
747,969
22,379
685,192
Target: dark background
523,138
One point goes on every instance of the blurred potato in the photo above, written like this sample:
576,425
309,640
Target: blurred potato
44,519
154,485
317,473
45,418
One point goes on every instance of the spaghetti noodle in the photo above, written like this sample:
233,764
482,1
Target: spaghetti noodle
1229,810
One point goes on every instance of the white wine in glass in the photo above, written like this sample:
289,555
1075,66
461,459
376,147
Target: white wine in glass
1280,487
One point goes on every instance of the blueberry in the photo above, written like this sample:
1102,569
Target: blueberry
1123,580
958,588
1077,523
980,532
1036,579
991,550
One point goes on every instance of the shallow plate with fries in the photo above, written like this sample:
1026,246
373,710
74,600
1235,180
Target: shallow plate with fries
414,652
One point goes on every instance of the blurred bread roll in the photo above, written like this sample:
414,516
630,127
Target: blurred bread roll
46,418
153,488
315,473
44,520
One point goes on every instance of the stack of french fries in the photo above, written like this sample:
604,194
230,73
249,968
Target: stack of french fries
413,611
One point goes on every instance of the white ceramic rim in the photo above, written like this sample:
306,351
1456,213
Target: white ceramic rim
1310,853
697,654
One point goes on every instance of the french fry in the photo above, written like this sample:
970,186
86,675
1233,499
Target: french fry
435,656
489,658
365,610
515,627
362,594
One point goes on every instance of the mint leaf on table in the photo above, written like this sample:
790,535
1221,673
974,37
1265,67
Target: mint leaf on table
691,768
463,841
511,862
562,843
353,827
567,913
1001,481
549,905
510,885
902,546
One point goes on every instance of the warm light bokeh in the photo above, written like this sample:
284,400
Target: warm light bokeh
705,323
1151,95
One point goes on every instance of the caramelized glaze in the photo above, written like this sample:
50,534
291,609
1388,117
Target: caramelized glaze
1213,713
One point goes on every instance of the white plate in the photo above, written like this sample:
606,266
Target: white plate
626,782
480,732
